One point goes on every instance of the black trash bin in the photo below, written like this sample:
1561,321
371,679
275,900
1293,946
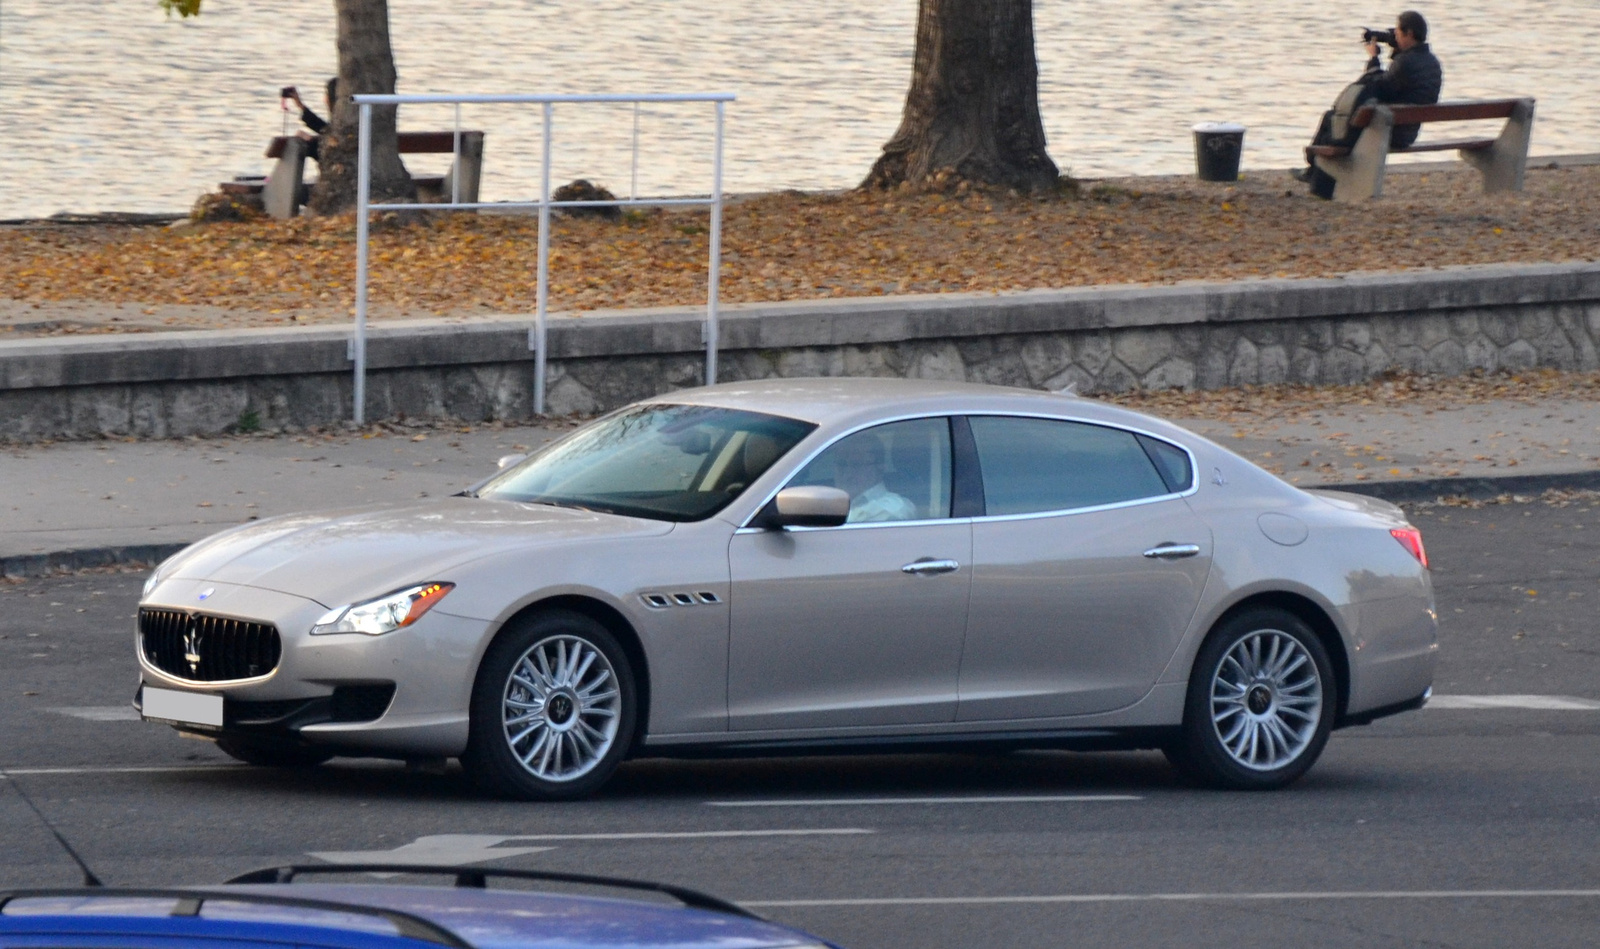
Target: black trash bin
1216,150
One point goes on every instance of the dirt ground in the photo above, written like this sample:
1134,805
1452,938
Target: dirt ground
57,279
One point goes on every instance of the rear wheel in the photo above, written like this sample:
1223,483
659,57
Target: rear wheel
553,709
272,754
1260,703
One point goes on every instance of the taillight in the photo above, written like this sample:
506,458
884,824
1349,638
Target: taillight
1411,539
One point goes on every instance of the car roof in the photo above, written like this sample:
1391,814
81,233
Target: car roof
485,919
830,401
511,919
846,402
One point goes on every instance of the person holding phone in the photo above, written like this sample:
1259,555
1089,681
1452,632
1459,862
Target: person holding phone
316,123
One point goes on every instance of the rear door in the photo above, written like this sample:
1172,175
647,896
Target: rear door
1087,567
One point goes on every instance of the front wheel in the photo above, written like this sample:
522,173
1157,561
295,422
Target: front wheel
1260,704
553,709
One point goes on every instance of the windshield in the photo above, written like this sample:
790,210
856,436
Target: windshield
667,462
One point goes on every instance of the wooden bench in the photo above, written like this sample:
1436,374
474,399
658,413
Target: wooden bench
1358,170
285,189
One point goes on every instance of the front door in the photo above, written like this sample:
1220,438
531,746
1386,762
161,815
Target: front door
1088,567
860,624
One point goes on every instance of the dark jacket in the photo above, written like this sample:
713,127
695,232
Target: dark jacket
1413,78
315,122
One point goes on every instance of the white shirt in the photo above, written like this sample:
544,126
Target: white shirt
878,503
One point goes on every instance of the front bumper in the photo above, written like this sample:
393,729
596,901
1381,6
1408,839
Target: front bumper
402,694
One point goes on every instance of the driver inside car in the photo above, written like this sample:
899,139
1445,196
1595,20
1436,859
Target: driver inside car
858,471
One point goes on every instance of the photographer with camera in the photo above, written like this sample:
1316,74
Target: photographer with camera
1413,78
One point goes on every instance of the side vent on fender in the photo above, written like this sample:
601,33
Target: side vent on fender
661,601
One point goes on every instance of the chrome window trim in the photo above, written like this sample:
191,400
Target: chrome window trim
924,522
1065,512
1194,473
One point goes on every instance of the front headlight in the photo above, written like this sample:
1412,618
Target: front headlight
385,614
155,580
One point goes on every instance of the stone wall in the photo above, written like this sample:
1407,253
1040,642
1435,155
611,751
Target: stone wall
1336,330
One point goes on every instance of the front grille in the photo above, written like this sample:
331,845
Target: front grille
203,648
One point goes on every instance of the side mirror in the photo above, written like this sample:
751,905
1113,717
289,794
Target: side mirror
507,461
812,506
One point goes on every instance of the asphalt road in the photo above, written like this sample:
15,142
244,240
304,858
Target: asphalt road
1446,827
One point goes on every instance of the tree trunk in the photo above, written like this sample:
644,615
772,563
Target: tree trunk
366,65
973,108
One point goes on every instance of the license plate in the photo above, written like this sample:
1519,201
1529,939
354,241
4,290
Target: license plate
184,708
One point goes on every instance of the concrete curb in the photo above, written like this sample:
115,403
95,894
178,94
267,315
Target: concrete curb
1427,489
66,561
1399,492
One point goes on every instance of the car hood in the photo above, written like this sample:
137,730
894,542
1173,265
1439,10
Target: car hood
342,556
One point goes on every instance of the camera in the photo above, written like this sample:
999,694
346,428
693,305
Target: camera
289,92
1378,36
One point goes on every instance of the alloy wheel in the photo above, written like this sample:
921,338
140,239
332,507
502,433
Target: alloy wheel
561,709
1266,700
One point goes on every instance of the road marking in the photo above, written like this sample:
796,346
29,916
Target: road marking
992,799
452,849
439,850
700,834
1543,703
135,769
1179,898
99,713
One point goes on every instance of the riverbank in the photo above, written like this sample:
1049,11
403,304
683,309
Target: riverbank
792,246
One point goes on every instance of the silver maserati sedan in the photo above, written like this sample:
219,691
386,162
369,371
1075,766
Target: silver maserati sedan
819,565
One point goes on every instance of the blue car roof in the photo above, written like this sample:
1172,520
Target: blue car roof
482,919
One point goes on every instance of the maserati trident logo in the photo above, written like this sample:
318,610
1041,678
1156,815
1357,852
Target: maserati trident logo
191,647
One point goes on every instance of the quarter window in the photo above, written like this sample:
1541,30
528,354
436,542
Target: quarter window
1032,465
1171,461
894,472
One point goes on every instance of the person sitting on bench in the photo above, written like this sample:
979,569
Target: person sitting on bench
312,120
1414,77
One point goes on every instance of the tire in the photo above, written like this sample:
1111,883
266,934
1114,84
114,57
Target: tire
553,709
265,753
1260,704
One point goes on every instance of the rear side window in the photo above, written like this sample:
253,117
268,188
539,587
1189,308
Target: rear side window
1171,461
1033,465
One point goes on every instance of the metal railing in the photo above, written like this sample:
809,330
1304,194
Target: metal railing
537,338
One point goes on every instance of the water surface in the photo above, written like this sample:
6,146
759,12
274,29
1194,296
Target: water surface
107,105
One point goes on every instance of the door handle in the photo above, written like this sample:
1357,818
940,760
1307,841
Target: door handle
928,568
1172,551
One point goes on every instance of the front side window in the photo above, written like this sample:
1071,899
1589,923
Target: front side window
894,472
1033,465
666,462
